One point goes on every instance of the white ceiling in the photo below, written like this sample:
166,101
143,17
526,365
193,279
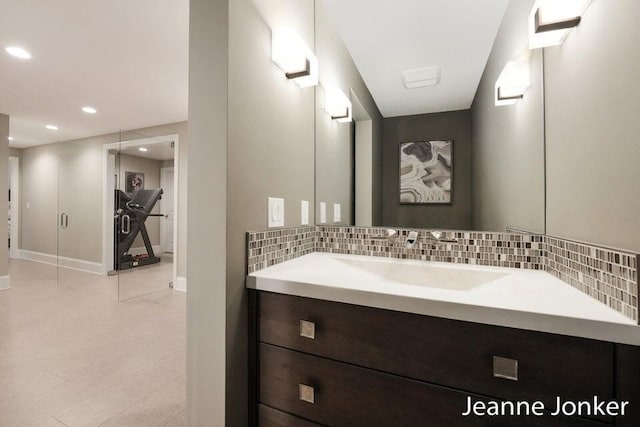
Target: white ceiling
126,58
388,37
156,151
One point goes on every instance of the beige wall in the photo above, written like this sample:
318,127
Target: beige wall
39,199
592,91
15,152
207,211
80,197
508,141
151,170
334,148
4,175
76,189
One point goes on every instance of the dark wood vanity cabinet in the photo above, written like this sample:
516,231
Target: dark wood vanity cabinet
332,364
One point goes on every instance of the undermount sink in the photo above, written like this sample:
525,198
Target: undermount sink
426,275
510,297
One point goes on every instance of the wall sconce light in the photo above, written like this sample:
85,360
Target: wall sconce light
514,80
551,20
294,57
337,105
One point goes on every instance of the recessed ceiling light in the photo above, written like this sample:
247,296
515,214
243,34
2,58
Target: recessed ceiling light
10,138
143,149
18,52
51,127
89,110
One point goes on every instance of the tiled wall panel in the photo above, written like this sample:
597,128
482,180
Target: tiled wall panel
270,247
479,248
608,275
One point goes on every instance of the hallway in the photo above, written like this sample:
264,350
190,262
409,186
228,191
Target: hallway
71,355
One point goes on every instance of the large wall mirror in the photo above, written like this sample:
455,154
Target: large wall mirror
428,147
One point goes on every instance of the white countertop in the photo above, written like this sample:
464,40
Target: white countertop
518,298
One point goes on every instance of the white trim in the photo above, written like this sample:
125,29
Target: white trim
61,261
14,169
157,249
39,257
107,196
180,284
5,283
108,188
163,233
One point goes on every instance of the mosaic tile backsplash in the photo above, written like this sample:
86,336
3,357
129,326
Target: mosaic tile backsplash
271,247
480,248
608,275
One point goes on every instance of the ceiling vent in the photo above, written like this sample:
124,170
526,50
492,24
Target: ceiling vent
421,77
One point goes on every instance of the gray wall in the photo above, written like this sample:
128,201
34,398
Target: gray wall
207,212
270,153
69,176
508,141
451,125
334,140
151,170
592,91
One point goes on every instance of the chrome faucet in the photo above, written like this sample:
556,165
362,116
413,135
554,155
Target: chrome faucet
436,238
391,235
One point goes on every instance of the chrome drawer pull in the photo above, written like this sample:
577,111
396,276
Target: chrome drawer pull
307,329
505,368
306,393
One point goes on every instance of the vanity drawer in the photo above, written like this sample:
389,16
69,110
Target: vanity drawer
461,355
339,394
269,417
346,395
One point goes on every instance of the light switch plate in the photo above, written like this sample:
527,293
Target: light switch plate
304,212
275,212
337,214
323,213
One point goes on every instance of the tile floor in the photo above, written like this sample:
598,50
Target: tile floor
72,355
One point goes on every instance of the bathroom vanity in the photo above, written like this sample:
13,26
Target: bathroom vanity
333,347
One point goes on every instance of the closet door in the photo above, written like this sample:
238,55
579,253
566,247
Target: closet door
80,217
38,213
143,263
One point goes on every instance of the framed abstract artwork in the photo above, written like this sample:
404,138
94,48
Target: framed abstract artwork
134,181
426,172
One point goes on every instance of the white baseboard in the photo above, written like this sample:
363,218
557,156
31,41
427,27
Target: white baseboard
4,283
72,263
39,257
180,284
157,249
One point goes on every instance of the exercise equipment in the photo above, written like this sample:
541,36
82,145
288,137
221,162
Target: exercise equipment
131,214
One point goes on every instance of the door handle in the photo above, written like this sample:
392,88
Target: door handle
126,224
64,220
